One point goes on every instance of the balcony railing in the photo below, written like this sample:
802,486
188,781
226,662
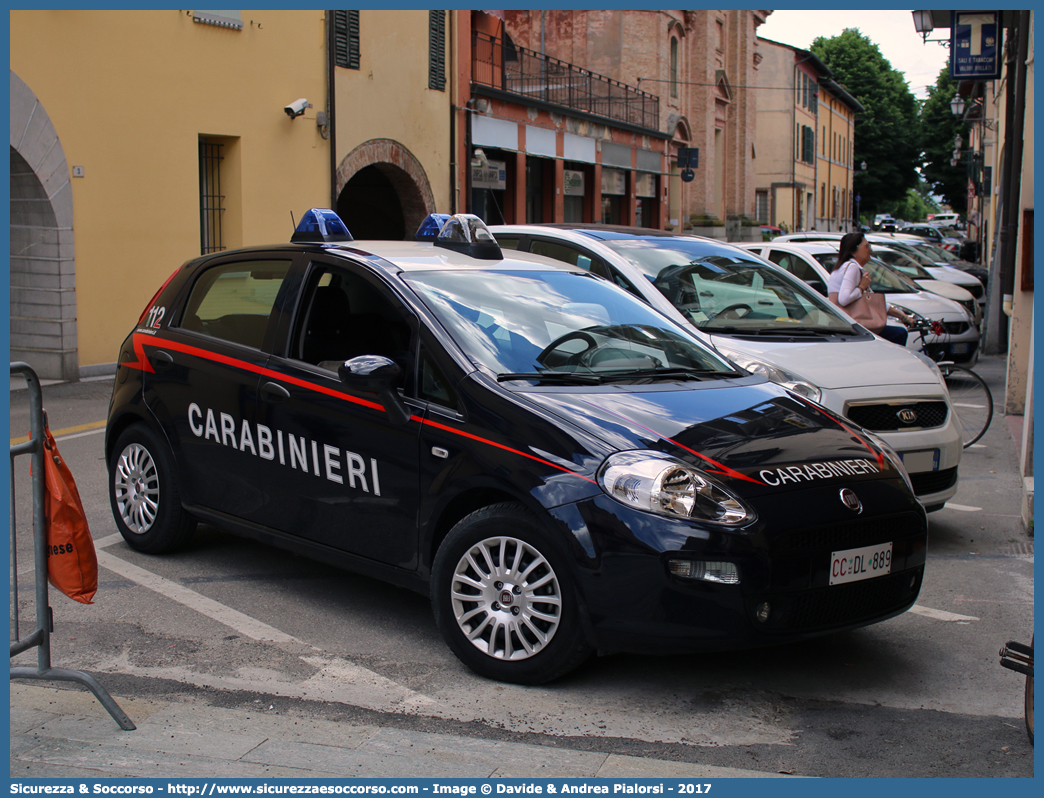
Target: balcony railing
527,73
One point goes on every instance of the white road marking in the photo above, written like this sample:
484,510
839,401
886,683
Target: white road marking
964,404
234,619
365,687
964,508
977,446
940,615
79,435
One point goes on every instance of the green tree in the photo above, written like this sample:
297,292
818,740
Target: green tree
915,206
887,135
939,129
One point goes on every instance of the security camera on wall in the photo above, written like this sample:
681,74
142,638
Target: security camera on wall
296,108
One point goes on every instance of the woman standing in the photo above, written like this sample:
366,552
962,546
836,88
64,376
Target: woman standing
849,289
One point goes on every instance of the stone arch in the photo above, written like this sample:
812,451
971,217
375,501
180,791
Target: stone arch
386,170
680,129
43,262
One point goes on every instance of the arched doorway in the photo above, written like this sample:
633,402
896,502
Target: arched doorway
43,263
383,191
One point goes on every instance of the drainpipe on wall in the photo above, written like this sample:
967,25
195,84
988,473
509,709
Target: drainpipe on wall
1013,186
455,72
331,65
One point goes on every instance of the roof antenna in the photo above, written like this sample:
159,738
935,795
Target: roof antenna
293,224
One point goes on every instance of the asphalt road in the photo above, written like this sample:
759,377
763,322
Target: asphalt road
232,623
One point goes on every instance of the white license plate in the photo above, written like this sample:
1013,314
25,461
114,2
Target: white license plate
959,349
917,462
852,565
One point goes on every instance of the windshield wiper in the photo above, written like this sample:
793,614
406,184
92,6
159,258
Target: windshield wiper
794,330
564,377
669,373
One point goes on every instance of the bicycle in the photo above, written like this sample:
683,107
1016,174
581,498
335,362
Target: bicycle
970,397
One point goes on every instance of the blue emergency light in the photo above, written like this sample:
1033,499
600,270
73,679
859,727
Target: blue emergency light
320,225
430,227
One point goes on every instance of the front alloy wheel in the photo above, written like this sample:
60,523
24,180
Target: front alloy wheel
506,598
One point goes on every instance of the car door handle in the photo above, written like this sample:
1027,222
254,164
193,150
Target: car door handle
161,361
274,392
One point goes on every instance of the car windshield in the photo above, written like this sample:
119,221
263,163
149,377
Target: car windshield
723,289
902,264
882,279
559,326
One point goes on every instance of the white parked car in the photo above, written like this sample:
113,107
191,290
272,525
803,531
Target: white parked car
944,219
903,243
898,261
766,320
960,343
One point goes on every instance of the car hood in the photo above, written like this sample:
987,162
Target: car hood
952,275
755,438
931,306
836,365
947,289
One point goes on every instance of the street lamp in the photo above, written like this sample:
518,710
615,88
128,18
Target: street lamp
957,106
922,21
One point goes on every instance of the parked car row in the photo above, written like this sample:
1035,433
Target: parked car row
571,438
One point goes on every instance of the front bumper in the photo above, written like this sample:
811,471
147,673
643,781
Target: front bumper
874,408
635,604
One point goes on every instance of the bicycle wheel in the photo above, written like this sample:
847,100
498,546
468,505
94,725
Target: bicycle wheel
971,400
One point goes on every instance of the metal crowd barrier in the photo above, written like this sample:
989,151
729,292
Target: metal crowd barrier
41,637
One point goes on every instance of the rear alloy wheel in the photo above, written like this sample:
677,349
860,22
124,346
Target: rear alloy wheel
144,495
504,600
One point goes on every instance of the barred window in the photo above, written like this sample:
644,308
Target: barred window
211,200
346,39
437,50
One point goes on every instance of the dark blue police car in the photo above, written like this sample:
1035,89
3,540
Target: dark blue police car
560,467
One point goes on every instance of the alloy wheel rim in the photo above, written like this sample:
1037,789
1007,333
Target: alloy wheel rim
136,485
506,598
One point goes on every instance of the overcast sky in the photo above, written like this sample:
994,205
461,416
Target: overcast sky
892,31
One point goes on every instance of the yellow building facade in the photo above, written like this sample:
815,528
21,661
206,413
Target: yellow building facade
787,134
835,204
140,139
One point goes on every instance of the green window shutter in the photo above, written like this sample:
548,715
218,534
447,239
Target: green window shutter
437,50
346,39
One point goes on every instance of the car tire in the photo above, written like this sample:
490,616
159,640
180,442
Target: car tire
504,598
144,494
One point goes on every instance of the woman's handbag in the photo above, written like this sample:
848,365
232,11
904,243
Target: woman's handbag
868,309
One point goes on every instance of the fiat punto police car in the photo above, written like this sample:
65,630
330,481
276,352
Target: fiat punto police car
560,467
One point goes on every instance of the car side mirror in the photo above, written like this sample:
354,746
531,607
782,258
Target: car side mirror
379,375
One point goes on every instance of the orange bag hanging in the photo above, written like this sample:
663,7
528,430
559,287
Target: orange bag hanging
72,563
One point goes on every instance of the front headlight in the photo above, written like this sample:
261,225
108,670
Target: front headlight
892,456
774,373
656,483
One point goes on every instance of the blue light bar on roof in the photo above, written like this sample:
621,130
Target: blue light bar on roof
430,227
320,225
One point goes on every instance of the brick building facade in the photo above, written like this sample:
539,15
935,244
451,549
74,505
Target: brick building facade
703,67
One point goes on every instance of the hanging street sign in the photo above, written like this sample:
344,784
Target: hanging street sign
975,45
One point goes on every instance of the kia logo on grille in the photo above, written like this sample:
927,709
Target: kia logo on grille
907,416
851,501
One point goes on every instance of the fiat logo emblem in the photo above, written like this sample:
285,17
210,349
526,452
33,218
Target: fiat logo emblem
506,598
907,416
851,501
